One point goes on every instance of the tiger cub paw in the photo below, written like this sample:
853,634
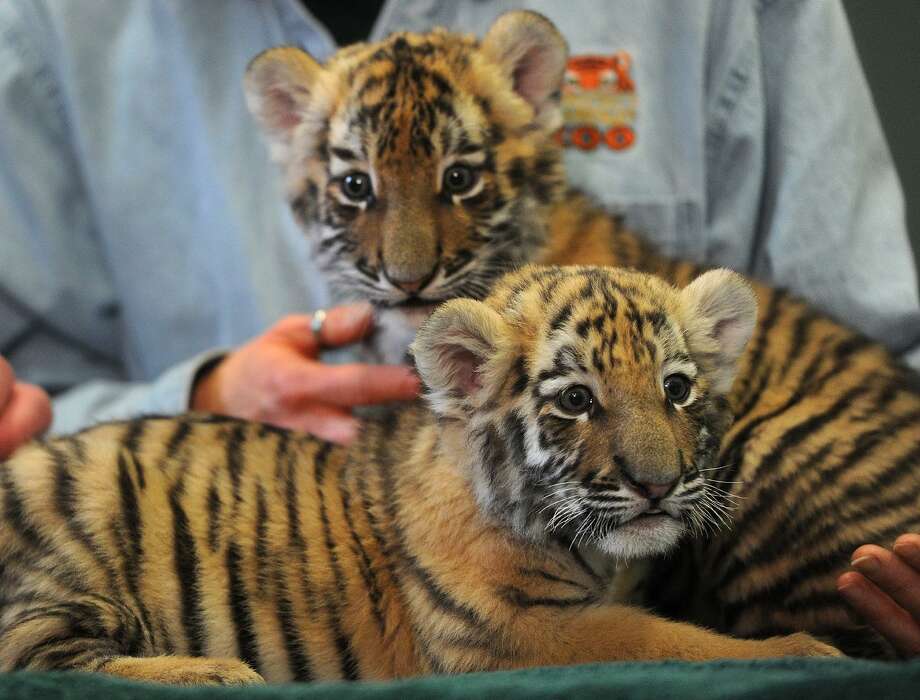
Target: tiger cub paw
801,644
182,670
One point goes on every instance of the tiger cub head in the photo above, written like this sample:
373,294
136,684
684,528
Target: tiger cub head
589,403
421,166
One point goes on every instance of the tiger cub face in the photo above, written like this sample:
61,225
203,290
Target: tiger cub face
590,401
421,166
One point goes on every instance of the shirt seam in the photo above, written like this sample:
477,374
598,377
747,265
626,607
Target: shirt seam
38,69
727,99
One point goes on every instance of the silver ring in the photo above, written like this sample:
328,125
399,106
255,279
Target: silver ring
316,323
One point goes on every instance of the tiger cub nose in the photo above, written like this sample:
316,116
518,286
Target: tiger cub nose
412,283
410,287
650,490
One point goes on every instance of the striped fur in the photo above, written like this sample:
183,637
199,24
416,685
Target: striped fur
402,113
824,455
202,549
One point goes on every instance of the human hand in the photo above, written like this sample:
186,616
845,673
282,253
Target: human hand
885,591
25,410
277,377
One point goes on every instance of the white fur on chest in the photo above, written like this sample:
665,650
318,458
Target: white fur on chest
394,330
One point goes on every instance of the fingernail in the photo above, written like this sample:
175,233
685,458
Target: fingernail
849,589
908,550
868,565
852,595
852,591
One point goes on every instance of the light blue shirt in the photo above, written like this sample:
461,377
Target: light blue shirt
143,229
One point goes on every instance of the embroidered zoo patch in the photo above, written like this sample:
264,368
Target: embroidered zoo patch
598,103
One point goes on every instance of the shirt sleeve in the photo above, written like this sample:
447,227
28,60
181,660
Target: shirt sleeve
799,133
59,311
103,400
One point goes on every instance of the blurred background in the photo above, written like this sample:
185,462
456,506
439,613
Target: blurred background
887,34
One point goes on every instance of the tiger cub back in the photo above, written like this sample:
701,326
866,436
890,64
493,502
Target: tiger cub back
480,532
824,457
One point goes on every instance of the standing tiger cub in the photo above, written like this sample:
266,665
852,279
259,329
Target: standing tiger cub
424,166
478,533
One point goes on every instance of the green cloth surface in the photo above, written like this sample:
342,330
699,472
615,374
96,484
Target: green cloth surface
788,679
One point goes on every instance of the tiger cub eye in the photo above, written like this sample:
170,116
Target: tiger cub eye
459,179
677,388
575,399
357,186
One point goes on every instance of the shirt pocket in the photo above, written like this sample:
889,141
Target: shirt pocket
637,189
633,148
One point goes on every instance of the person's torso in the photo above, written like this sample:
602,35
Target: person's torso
190,211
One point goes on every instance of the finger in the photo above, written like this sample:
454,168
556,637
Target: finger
908,548
346,324
886,570
355,384
27,413
7,379
329,423
880,612
343,325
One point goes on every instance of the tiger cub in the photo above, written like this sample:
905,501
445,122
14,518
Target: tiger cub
424,166
479,532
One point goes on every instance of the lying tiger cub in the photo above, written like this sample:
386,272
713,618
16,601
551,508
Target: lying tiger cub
426,165
479,532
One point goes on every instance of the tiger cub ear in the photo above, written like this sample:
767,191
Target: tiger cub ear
532,53
720,314
278,86
460,353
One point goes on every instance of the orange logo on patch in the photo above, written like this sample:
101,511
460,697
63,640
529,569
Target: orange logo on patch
598,103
